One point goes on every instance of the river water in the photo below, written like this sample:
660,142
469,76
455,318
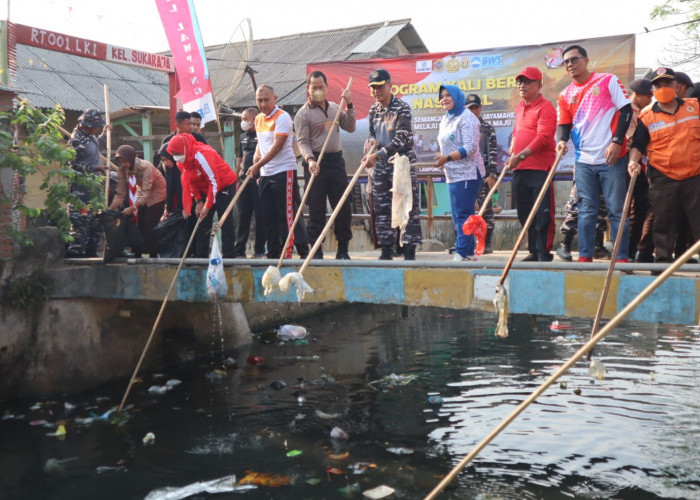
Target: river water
633,435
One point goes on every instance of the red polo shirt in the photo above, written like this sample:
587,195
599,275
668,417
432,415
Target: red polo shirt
535,126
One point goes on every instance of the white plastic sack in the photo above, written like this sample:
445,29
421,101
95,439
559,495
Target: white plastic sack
402,194
271,279
216,279
222,485
297,281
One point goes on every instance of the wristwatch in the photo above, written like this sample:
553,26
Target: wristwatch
522,156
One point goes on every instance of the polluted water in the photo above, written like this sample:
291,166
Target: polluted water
380,401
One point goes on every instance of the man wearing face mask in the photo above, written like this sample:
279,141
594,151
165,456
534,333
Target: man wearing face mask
249,201
668,132
312,124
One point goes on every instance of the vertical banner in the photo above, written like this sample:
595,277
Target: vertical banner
4,69
185,40
488,73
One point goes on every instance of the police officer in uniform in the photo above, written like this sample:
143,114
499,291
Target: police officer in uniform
85,228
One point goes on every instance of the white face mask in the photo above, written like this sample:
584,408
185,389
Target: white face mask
245,126
179,158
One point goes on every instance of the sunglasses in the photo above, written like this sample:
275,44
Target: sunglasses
571,60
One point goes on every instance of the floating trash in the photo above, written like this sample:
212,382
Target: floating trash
557,327
333,471
562,385
294,453
68,406
102,469
350,490
340,434
172,383
577,391
278,385
157,389
60,432
635,334
40,422
435,400
54,465
391,381
255,360
265,479
222,485
381,491
361,467
313,481
292,332
400,451
339,456
149,439
326,416
596,369
215,375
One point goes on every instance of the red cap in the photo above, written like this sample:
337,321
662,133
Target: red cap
531,73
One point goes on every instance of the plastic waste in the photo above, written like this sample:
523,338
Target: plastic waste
500,303
278,385
391,381
270,279
476,225
381,491
102,469
292,332
216,279
401,193
172,383
157,389
313,481
435,400
255,360
149,439
556,326
297,281
54,465
68,406
222,485
340,434
265,479
339,456
400,451
215,375
596,369
326,416
294,453
361,467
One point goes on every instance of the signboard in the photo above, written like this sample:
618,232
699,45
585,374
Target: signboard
59,42
489,73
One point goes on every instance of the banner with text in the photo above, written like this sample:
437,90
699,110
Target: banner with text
489,73
185,40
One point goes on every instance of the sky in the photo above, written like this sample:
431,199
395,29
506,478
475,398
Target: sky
475,25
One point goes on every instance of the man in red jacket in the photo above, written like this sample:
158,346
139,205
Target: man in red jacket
210,180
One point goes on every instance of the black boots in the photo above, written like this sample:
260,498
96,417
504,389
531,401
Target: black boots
409,252
342,253
564,250
318,255
387,253
488,248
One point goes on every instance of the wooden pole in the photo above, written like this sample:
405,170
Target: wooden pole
491,192
230,206
307,188
565,367
530,218
109,143
613,256
160,315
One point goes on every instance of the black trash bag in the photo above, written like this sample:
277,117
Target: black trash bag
114,229
134,238
171,235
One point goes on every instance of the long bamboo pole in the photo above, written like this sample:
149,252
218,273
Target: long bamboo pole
109,143
565,367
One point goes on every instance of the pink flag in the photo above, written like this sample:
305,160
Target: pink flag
185,40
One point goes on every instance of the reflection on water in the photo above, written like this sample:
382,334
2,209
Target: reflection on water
633,435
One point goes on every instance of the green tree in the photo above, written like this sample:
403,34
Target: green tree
44,151
686,48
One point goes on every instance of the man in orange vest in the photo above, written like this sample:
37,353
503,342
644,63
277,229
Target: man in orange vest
668,132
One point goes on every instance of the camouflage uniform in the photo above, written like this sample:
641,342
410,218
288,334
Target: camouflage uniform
488,148
85,227
570,225
391,128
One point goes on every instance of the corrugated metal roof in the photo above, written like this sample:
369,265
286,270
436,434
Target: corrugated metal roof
76,83
281,62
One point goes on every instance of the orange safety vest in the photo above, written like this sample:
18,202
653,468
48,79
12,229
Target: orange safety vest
674,145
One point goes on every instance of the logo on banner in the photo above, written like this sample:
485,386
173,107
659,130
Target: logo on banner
494,61
554,58
424,66
465,62
438,65
453,65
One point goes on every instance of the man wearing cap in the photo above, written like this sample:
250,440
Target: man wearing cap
668,132
641,217
532,155
683,84
488,147
391,130
85,229
595,112
312,124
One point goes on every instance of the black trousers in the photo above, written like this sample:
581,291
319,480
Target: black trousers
668,198
527,185
279,201
228,230
248,204
149,217
641,218
330,184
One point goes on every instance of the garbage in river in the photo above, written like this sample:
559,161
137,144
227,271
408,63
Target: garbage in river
278,385
297,281
293,453
215,375
326,416
172,383
339,456
500,303
435,400
60,432
54,465
222,485
596,369
556,326
339,434
149,439
361,467
391,381
379,492
400,451
157,389
265,479
292,332
271,278
255,360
